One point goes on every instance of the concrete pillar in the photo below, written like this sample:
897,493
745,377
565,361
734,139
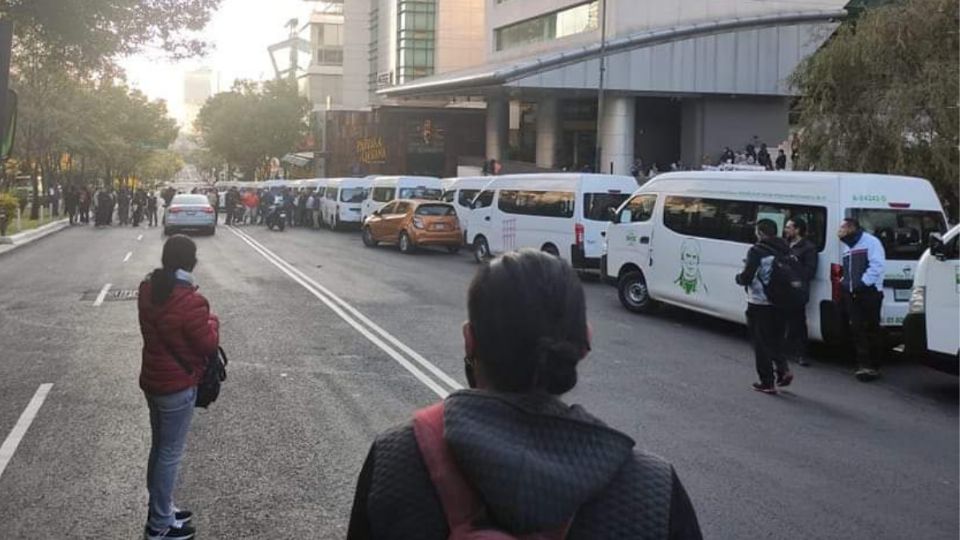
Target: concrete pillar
498,118
617,133
548,129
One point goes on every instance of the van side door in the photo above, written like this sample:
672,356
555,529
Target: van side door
942,300
630,238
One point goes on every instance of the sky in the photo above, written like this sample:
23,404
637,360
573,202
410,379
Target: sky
239,31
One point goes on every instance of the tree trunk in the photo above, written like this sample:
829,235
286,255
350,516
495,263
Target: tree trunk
35,181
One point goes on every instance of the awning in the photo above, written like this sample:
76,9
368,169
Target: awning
501,74
299,159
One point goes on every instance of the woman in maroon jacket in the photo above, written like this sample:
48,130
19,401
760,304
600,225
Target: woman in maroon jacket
179,334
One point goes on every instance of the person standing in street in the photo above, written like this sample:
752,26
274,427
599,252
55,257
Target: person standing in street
765,320
795,233
179,334
864,262
152,209
85,199
123,206
71,200
455,471
232,197
781,160
214,199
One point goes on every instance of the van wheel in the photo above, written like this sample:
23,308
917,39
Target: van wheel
634,294
481,250
368,239
551,249
406,245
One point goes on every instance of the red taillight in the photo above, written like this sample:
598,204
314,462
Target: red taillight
176,210
836,276
899,205
578,233
208,209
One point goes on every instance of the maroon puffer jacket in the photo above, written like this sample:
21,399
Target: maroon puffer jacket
188,328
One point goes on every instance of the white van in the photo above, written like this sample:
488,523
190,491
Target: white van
931,331
342,201
387,188
682,237
460,192
561,213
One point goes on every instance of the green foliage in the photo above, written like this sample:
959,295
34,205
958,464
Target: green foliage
9,203
89,34
881,96
160,166
251,123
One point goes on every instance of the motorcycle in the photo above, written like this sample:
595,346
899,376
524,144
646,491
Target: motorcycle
276,217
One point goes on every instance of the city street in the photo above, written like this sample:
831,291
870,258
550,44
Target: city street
330,342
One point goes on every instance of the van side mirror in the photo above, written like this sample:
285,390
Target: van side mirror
935,242
626,216
376,213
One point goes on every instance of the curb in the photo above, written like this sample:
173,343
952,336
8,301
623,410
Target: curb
27,237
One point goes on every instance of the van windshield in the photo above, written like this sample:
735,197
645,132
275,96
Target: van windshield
596,205
904,233
353,195
421,193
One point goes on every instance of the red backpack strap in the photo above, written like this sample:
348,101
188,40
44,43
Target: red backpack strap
461,505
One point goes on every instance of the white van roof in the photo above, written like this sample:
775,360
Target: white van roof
864,190
350,181
469,182
388,180
570,181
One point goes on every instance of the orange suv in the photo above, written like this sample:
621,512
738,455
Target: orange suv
414,223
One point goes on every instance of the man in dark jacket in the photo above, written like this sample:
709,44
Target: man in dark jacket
766,321
795,233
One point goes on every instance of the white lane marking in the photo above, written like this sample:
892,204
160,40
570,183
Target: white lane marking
102,295
332,301
440,374
139,238
127,257
20,429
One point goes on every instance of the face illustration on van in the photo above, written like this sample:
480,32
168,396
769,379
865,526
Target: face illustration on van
690,279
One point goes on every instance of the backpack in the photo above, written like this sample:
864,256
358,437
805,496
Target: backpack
461,503
785,287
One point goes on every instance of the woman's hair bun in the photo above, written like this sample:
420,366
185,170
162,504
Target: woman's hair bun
558,359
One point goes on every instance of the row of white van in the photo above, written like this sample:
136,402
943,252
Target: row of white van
681,238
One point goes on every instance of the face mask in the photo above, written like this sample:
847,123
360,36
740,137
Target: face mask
468,371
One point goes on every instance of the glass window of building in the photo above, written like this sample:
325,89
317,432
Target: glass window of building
330,41
559,24
416,39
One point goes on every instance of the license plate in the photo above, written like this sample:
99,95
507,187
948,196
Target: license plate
357,210
901,295
440,227
191,213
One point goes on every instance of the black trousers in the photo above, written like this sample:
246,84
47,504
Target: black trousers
796,326
231,210
862,312
767,330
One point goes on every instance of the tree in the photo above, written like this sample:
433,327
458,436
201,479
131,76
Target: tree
253,122
160,166
881,95
89,34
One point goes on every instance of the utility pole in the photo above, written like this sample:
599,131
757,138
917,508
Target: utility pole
603,68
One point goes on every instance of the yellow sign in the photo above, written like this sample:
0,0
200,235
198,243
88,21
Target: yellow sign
371,150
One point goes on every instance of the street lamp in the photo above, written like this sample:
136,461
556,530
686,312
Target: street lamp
603,68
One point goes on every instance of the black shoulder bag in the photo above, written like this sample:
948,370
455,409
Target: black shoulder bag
214,373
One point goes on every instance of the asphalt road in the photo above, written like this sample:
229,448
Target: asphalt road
323,337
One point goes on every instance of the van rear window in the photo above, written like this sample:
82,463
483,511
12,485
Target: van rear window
596,206
904,233
435,210
421,193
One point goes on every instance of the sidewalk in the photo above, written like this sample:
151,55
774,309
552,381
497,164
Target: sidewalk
10,243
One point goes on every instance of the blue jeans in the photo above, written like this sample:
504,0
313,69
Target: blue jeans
169,424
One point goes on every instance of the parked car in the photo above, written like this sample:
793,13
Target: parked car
342,201
682,237
388,188
563,214
414,223
189,212
930,330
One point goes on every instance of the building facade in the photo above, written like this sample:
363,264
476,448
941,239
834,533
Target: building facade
682,79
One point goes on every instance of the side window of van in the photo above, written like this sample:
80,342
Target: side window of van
383,194
641,207
466,196
814,216
537,203
719,219
485,199
332,193
449,196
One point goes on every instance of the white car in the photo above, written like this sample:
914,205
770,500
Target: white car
931,330
189,212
